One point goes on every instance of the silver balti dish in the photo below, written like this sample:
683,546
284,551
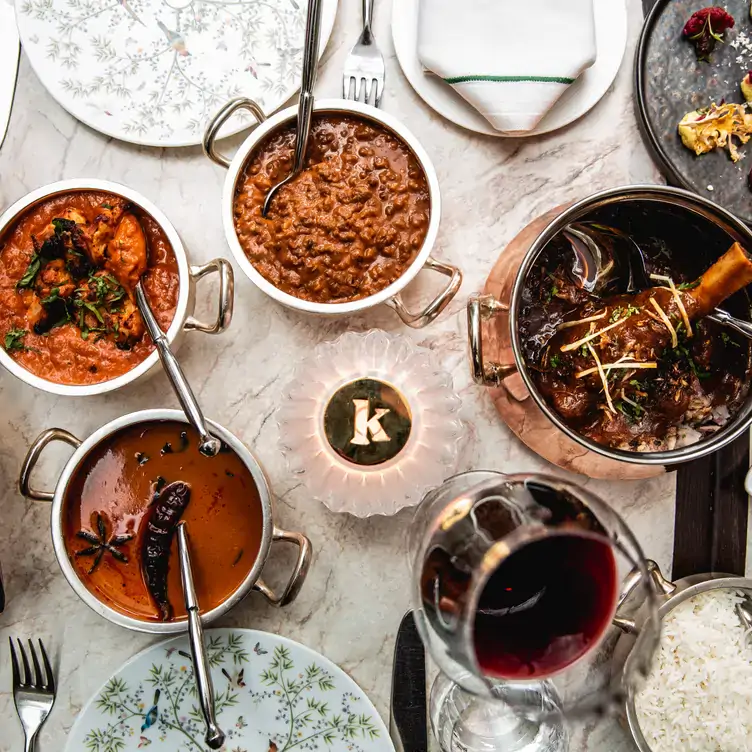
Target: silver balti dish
270,533
391,295
485,311
189,275
670,595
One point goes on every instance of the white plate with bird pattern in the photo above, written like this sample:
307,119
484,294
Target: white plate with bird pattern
152,72
271,695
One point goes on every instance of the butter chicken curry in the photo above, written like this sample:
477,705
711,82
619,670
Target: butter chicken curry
68,269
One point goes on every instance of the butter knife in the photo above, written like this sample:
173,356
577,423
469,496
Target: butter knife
407,713
10,51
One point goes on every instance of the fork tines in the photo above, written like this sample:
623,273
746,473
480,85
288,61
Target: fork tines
27,680
364,73
363,89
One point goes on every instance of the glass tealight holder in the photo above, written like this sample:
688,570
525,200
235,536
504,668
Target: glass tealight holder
370,422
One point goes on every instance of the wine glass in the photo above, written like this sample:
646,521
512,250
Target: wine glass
516,595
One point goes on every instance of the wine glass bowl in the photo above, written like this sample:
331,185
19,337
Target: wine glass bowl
516,579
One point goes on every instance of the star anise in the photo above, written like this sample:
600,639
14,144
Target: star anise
101,542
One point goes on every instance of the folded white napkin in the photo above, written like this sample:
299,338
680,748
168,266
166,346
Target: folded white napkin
510,59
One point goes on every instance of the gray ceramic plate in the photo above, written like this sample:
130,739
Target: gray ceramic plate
670,82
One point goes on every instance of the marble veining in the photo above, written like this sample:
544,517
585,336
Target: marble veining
357,591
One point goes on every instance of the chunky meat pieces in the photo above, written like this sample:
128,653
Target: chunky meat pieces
68,267
636,371
348,226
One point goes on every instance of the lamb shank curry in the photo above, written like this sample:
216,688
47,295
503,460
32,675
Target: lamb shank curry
642,371
68,270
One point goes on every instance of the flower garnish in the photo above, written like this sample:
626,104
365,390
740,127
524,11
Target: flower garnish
705,28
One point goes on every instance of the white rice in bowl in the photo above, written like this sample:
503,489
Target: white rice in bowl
698,697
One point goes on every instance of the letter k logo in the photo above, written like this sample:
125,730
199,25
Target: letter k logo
364,426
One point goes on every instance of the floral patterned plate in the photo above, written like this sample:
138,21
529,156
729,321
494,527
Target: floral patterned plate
153,71
272,695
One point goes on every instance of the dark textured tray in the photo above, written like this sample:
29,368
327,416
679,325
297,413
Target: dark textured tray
710,525
670,81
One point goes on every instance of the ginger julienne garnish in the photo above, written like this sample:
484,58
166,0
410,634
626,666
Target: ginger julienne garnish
716,127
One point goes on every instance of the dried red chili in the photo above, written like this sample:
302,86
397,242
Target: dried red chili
165,513
705,28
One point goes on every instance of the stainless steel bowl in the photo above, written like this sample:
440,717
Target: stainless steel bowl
671,595
390,295
484,307
189,275
269,534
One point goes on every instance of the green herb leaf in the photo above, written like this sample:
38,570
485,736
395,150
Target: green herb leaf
728,341
63,225
93,309
14,339
52,297
554,361
688,285
31,272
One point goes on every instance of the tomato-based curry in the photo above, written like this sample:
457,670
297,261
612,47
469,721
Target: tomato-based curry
68,269
119,520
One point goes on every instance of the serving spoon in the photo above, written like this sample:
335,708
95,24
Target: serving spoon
605,254
208,445
305,105
215,737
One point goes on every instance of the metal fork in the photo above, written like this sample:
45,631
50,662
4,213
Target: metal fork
33,695
364,67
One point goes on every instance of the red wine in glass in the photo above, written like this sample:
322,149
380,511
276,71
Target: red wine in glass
546,605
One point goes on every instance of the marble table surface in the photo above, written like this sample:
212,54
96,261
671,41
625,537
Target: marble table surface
356,593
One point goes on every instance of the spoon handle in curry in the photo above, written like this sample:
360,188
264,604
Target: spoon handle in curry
208,444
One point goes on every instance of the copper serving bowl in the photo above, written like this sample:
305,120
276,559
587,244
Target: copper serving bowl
494,320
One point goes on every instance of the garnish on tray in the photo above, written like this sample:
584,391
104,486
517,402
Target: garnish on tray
101,543
165,513
716,127
705,28
746,87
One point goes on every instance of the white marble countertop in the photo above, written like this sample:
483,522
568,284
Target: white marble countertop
356,593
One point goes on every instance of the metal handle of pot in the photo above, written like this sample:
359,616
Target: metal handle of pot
226,299
482,308
299,573
438,304
32,457
215,124
632,580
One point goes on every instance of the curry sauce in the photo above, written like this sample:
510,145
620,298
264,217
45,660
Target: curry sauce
67,310
111,499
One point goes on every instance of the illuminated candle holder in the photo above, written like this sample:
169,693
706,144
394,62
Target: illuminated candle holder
370,423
